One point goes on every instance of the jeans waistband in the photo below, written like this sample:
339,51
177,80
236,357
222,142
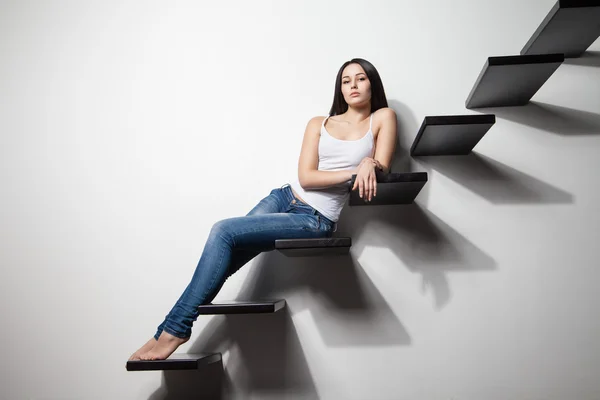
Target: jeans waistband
288,190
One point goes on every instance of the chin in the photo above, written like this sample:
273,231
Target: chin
358,101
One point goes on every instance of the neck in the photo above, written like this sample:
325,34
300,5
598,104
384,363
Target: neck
357,114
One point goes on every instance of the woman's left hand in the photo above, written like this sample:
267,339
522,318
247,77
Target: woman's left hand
366,180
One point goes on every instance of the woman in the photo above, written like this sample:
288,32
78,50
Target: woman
333,149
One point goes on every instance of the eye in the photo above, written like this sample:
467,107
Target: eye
345,82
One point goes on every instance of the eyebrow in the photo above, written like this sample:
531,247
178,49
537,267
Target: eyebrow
360,73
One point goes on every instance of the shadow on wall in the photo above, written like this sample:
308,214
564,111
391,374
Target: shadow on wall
407,131
420,240
496,182
205,383
587,59
347,307
550,118
263,354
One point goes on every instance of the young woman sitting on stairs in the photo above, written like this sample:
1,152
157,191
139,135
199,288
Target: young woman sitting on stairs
333,149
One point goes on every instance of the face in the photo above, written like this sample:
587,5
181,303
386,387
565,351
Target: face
356,87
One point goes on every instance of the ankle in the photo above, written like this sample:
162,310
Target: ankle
166,336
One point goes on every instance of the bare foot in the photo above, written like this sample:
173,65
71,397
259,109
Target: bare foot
144,349
165,346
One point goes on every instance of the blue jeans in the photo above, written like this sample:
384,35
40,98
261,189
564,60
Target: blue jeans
235,241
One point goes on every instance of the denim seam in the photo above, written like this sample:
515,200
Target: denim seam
283,229
205,294
214,277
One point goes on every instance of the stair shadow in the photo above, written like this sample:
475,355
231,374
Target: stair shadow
424,243
343,301
496,182
204,383
587,59
263,354
407,130
551,118
268,356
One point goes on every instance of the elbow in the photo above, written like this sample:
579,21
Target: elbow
303,179
305,185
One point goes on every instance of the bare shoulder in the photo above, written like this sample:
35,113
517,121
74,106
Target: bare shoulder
318,120
384,120
385,114
314,124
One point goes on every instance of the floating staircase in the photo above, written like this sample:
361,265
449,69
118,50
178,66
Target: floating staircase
242,307
570,28
314,247
392,189
175,362
567,31
512,80
451,134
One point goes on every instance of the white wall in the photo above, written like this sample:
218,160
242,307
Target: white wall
129,128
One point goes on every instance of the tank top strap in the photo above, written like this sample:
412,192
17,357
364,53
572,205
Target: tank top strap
323,129
371,122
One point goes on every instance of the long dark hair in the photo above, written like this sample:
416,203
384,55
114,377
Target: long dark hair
378,99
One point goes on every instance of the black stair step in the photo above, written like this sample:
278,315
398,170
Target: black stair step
242,307
451,134
175,362
314,247
570,28
392,189
512,80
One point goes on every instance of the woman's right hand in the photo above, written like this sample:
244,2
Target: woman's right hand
366,180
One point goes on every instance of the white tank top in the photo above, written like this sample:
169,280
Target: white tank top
336,155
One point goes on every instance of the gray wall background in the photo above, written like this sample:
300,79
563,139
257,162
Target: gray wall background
128,128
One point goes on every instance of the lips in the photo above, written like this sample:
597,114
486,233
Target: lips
354,94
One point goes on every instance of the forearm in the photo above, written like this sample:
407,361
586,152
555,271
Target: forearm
323,179
375,163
